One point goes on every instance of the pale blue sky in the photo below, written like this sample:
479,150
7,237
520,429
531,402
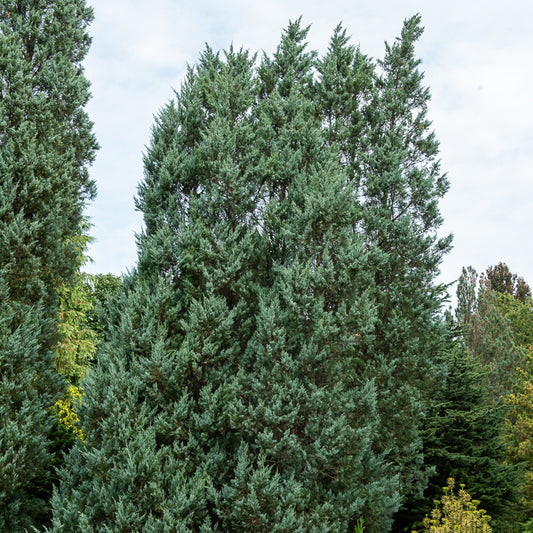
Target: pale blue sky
477,61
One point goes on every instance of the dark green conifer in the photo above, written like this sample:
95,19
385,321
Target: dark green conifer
229,395
45,146
314,411
29,386
177,336
462,438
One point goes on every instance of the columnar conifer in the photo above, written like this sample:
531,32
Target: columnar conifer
45,145
249,380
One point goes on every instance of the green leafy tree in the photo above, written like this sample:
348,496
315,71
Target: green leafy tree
77,342
45,146
519,435
516,307
82,311
519,316
491,339
100,289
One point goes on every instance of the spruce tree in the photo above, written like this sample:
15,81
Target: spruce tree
463,439
45,146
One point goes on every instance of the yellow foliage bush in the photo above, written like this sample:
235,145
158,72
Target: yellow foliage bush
66,411
457,514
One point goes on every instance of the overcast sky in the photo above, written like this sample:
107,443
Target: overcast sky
477,62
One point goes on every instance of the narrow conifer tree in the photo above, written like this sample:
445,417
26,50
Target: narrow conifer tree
228,395
46,143
311,414
45,146
376,116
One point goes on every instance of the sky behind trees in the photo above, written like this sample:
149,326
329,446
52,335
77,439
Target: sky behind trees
476,60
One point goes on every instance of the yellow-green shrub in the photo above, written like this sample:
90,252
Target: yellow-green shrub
66,411
457,513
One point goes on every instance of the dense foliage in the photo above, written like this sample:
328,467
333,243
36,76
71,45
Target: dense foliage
478,424
266,367
45,146
279,359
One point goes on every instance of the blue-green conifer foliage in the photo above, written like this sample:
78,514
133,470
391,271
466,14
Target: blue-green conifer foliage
263,370
46,144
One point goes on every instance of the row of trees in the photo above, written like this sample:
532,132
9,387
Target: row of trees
279,359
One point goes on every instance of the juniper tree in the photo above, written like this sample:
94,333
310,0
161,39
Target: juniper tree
173,350
45,145
29,386
375,114
312,322
228,395
245,383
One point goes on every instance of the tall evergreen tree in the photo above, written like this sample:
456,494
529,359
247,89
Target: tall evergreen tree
263,370
46,143
45,146
466,296
464,431
315,316
230,394
376,116
29,386
177,336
